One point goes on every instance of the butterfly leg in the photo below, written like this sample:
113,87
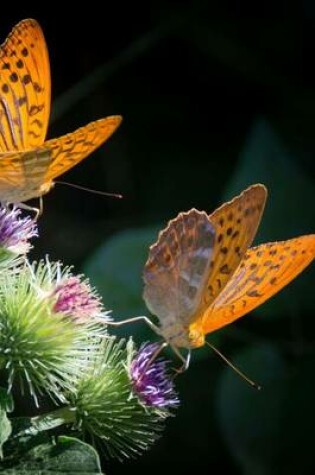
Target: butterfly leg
37,211
186,361
41,206
153,327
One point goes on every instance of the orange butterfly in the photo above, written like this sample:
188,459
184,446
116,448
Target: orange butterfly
202,275
28,163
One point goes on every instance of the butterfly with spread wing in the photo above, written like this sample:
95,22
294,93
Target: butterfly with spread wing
202,274
28,163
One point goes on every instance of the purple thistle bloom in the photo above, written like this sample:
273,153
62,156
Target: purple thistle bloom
76,299
15,232
150,379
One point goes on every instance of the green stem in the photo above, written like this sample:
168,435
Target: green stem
50,420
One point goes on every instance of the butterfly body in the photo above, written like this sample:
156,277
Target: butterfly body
28,162
201,274
23,179
182,336
20,194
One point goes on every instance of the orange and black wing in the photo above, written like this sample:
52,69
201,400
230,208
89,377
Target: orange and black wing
236,223
264,271
24,88
70,149
26,175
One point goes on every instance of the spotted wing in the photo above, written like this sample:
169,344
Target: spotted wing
24,175
236,223
265,270
24,88
70,149
178,266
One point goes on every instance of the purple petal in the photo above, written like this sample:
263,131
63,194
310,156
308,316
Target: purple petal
15,232
150,379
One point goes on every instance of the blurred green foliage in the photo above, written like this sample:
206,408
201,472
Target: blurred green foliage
215,96
116,271
269,432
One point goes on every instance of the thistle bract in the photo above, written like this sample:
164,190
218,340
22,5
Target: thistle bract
107,408
39,347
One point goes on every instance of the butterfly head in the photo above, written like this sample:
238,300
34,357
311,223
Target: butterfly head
196,336
45,187
182,336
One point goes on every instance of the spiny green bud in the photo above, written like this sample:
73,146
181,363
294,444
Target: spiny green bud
108,410
40,345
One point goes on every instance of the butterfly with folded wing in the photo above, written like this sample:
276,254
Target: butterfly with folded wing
28,163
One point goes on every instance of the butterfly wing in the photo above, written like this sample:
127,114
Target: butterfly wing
70,149
236,223
24,88
26,175
264,271
178,266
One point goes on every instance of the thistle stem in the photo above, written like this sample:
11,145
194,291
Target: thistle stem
63,415
50,420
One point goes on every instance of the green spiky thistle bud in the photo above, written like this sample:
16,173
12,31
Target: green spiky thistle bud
41,344
107,408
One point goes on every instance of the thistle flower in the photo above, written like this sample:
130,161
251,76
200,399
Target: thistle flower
107,409
15,233
77,299
39,347
150,379
72,295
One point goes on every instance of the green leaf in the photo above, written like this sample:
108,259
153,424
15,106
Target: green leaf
6,405
51,420
116,271
289,211
67,456
5,429
21,441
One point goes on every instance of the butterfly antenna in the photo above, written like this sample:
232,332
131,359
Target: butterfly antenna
90,190
237,370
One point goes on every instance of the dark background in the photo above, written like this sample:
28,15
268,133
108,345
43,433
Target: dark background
215,96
